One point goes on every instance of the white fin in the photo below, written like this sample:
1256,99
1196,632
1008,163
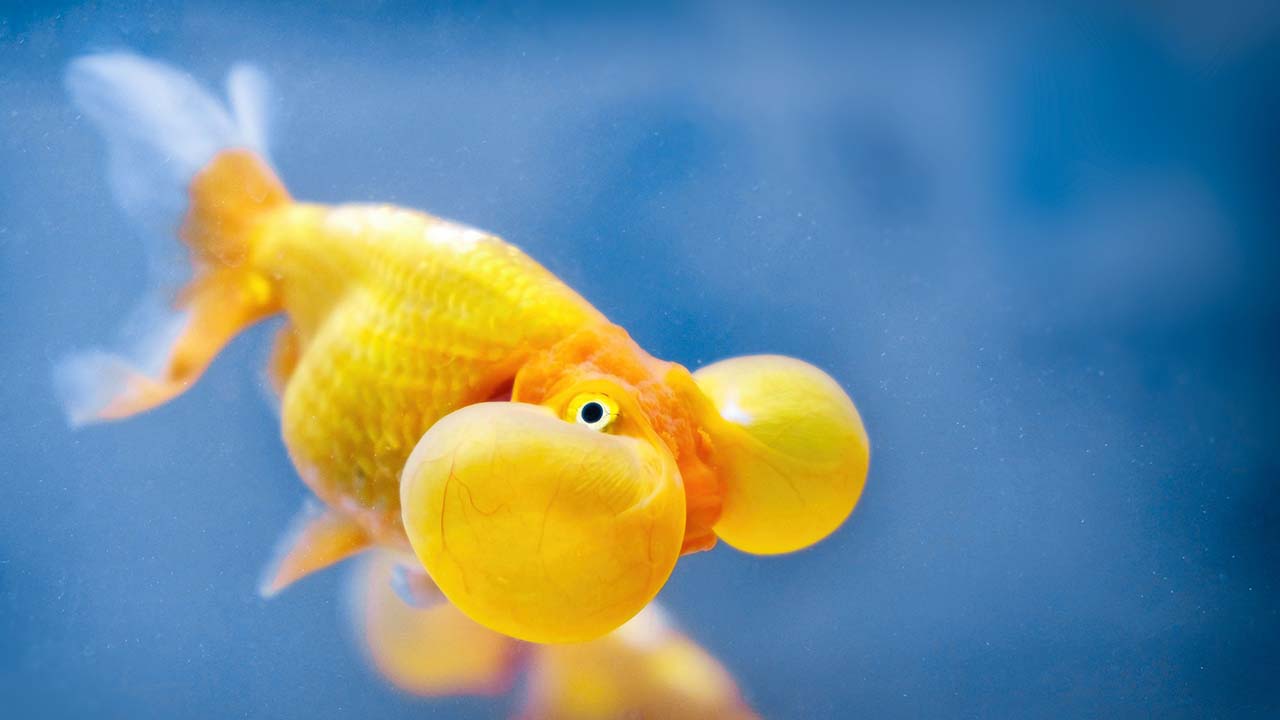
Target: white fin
87,382
248,89
160,127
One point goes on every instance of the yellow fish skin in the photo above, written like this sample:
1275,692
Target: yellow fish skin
442,392
400,318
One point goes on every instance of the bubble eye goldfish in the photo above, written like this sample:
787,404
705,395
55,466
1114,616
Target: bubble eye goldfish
441,391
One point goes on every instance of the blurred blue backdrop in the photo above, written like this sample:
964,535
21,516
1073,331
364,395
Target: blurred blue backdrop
1037,245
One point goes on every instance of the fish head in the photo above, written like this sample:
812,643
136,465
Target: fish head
559,515
555,517
771,451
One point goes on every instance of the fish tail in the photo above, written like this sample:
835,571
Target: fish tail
180,161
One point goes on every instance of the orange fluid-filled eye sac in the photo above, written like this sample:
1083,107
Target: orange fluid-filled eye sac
790,447
545,530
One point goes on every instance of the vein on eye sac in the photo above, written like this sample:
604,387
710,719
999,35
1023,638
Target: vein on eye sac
444,505
471,500
542,534
791,483
444,537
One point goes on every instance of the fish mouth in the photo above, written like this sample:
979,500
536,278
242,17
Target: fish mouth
539,528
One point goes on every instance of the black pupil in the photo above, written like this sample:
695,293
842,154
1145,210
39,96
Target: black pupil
591,413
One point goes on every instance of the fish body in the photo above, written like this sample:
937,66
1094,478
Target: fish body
399,318
442,392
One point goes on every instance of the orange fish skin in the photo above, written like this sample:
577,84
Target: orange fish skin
671,402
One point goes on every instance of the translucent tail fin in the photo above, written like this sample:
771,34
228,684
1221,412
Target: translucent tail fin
174,148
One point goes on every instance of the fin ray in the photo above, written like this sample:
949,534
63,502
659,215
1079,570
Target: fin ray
160,128
317,538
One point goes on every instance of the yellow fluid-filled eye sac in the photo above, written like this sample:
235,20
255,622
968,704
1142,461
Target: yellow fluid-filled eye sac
791,449
541,529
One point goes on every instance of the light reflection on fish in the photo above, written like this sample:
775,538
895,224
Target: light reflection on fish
443,393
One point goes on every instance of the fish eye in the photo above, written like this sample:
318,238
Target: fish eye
591,413
596,412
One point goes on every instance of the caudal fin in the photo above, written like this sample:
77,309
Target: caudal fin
175,150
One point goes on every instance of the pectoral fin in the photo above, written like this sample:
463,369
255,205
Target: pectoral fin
318,538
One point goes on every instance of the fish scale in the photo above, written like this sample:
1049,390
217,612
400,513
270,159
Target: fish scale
397,349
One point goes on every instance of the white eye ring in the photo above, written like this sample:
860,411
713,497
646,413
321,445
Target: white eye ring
595,415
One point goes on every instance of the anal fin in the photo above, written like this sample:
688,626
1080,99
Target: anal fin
318,537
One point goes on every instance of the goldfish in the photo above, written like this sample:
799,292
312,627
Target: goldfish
440,393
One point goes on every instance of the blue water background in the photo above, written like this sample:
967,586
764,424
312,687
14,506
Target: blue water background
1038,245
